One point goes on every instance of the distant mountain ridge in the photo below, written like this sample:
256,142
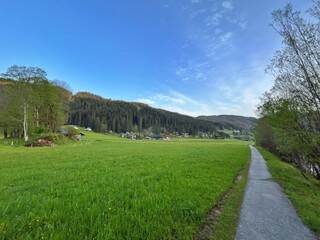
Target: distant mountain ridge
232,122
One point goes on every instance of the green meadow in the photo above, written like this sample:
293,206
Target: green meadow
106,187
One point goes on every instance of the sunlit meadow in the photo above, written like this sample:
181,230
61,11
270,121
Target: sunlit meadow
110,188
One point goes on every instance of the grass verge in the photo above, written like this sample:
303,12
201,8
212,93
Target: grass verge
227,222
303,193
228,213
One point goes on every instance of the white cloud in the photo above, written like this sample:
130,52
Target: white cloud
234,90
177,102
195,1
184,99
194,71
198,12
227,5
241,23
181,71
146,101
168,99
214,20
211,38
240,89
226,38
222,107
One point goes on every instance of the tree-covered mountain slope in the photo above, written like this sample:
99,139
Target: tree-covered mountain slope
232,122
103,115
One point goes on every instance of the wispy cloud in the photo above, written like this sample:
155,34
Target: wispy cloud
226,38
195,71
214,20
146,101
212,40
227,5
234,89
241,88
240,22
230,94
229,85
198,12
176,102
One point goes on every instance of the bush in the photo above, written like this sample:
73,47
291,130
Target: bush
40,129
55,138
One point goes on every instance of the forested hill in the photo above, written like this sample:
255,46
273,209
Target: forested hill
232,122
104,115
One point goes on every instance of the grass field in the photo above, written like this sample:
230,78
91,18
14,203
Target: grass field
111,188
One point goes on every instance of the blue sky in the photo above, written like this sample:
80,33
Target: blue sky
195,57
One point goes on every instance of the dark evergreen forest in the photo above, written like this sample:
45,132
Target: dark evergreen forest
103,115
244,124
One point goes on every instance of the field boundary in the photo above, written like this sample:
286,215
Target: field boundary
212,218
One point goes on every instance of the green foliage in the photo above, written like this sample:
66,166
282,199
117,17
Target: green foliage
103,115
39,129
227,223
30,102
303,192
56,138
25,74
112,188
290,111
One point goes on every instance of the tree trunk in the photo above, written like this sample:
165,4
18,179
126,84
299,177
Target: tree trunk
37,117
25,122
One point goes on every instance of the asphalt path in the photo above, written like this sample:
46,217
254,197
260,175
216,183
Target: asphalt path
266,211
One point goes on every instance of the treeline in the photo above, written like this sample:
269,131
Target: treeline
30,103
290,112
104,115
232,122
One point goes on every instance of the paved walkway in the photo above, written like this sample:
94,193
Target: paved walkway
266,211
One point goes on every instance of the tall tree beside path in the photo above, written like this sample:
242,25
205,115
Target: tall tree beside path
291,109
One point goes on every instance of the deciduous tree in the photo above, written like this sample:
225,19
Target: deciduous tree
32,100
292,107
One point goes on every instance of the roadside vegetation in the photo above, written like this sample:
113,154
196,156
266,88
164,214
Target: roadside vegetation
302,189
226,225
290,111
111,188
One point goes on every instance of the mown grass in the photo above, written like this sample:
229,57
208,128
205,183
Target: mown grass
110,188
303,193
